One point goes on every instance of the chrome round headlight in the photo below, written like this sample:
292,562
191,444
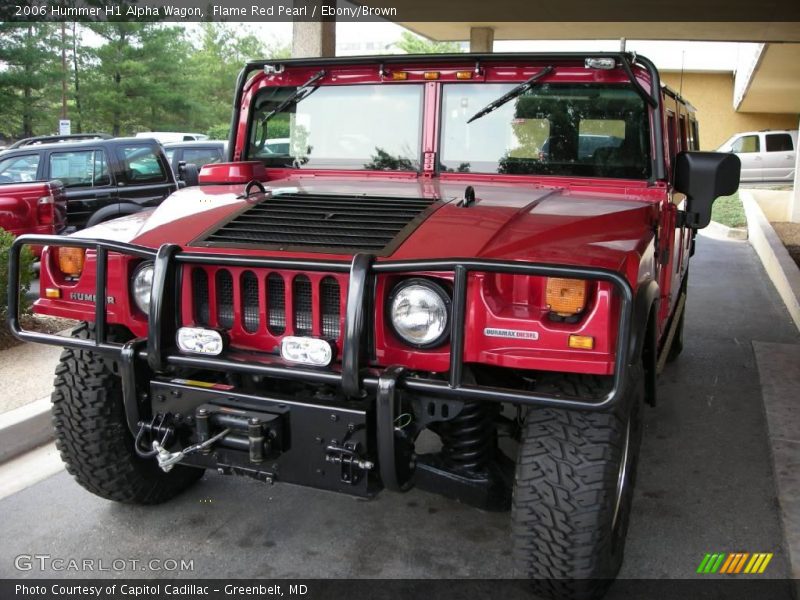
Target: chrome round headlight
141,284
419,311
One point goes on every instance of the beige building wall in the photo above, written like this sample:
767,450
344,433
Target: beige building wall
712,95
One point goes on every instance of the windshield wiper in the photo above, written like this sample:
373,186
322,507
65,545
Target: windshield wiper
508,96
304,91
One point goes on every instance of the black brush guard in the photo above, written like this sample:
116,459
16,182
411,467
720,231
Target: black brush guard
354,379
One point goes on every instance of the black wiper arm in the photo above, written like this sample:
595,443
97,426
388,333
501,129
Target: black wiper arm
510,95
304,91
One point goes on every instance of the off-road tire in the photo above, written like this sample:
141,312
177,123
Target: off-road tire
92,434
566,490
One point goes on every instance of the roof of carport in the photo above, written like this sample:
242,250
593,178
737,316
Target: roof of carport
773,85
545,30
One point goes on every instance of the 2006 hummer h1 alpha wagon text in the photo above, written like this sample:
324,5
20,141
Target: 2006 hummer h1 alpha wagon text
493,248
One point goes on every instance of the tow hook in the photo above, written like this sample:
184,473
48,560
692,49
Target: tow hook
167,460
349,457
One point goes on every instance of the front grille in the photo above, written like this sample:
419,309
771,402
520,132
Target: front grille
323,222
259,301
276,304
224,299
202,309
302,305
249,298
330,298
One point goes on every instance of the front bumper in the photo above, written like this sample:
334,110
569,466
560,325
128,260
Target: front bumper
142,358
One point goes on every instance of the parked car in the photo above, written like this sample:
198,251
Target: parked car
166,137
103,178
28,206
195,153
767,155
303,316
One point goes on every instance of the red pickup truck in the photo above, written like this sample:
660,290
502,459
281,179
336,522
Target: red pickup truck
33,207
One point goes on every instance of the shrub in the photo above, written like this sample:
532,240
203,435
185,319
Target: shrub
25,277
219,132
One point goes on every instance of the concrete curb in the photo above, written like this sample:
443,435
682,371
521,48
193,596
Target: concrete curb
780,267
25,428
723,231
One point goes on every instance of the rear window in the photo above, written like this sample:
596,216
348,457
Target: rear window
746,143
779,142
19,169
84,168
140,164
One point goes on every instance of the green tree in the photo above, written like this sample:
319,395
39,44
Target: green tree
414,44
215,64
138,79
30,83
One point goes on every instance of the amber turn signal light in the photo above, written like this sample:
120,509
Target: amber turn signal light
566,297
70,260
581,342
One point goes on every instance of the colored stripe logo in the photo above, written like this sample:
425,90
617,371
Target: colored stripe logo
734,563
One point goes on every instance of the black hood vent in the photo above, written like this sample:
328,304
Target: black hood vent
323,223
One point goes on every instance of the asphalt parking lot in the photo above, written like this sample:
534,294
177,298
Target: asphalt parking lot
705,482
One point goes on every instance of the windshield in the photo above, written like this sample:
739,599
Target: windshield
372,127
587,130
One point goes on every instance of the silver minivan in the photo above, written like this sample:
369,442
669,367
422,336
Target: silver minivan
766,155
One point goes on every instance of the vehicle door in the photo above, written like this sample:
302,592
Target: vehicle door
88,184
748,149
143,175
779,156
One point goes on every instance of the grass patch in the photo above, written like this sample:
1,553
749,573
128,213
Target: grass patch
729,211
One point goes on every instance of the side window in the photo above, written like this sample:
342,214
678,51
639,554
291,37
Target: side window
684,145
170,152
19,169
779,142
83,168
695,135
673,146
140,164
202,156
746,143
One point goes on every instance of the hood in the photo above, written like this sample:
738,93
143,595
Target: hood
601,227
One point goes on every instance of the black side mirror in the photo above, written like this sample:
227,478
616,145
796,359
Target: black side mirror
188,174
704,177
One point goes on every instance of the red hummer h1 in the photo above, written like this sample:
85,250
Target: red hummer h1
459,272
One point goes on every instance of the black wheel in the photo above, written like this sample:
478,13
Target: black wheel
93,436
573,491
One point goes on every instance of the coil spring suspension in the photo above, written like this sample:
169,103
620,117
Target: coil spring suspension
469,440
